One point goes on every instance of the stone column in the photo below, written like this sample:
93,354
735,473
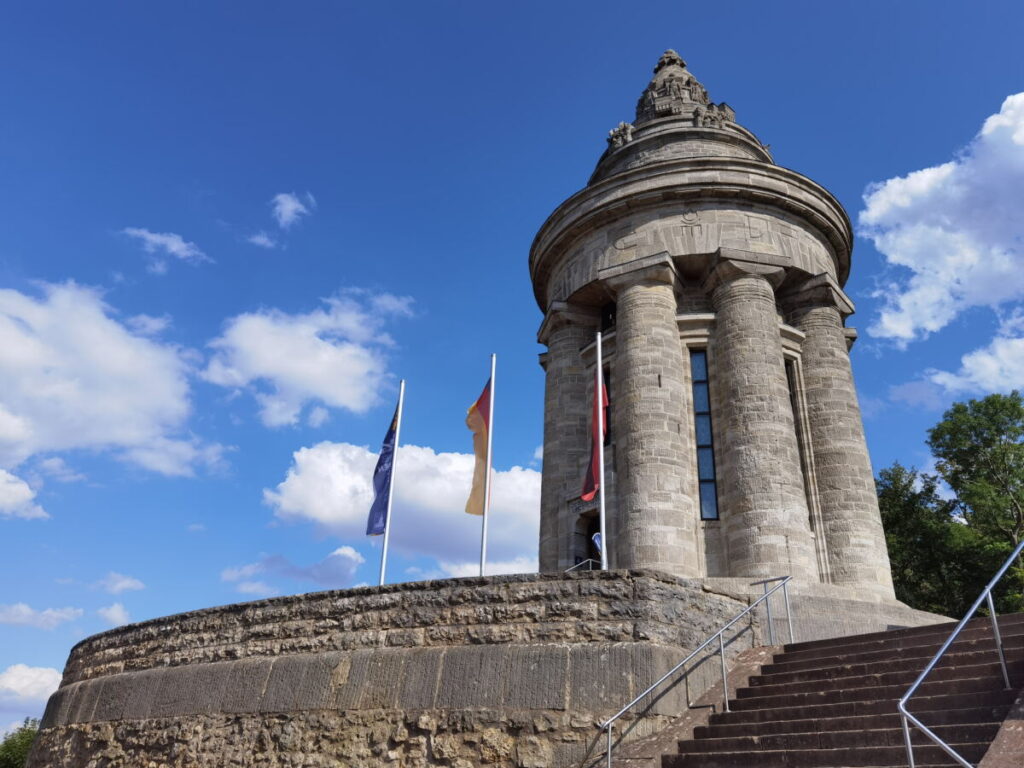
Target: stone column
657,519
846,486
761,491
565,331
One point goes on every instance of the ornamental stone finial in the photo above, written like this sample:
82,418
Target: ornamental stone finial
667,58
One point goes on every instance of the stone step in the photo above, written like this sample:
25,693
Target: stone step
850,723
878,693
887,757
900,644
845,739
904,677
945,669
978,624
784,663
858,708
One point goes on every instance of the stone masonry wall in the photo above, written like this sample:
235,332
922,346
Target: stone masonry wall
504,671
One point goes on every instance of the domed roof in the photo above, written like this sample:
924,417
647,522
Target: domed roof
676,119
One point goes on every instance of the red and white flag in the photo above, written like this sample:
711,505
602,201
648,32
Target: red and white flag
598,429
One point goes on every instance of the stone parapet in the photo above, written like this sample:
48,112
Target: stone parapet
510,671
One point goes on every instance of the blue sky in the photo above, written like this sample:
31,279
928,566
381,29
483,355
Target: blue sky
227,230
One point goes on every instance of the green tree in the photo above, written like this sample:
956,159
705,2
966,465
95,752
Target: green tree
939,564
15,745
979,447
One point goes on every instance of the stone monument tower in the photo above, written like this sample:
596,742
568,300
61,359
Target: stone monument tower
736,447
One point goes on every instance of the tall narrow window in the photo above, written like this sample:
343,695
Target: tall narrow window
705,443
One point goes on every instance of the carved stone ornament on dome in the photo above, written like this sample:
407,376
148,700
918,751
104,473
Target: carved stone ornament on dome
673,91
713,115
620,135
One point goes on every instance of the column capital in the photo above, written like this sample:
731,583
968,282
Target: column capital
562,313
818,291
728,264
657,268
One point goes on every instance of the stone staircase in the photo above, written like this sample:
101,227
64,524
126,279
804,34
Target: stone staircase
832,703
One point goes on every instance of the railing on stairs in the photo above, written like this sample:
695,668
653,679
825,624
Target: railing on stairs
720,637
907,718
585,565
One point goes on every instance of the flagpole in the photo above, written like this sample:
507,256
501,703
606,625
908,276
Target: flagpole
391,485
599,397
487,477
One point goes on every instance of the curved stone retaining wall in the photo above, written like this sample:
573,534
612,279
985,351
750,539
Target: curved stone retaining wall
504,671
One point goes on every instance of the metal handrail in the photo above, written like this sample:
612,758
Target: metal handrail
986,594
589,561
720,636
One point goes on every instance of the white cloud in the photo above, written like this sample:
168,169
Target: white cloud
72,376
25,683
115,583
160,244
115,615
333,355
195,528
996,367
288,207
330,484
336,570
263,240
492,568
56,468
919,393
21,614
148,325
318,416
256,588
241,572
16,498
954,232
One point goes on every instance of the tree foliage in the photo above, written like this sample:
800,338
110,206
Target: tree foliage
979,446
938,564
15,745
944,551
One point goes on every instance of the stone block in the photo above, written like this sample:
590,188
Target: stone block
384,673
600,676
537,678
181,691
68,705
315,688
474,677
246,682
420,678
116,695
51,715
283,683
349,676
145,686
85,703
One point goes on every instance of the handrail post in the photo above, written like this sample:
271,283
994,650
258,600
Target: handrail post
768,607
610,745
999,640
789,613
725,676
906,738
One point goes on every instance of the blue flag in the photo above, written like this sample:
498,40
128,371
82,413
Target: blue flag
596,538
377,521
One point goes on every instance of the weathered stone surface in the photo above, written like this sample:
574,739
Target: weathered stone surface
684,186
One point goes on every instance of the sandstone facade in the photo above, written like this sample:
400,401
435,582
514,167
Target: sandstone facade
689,238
